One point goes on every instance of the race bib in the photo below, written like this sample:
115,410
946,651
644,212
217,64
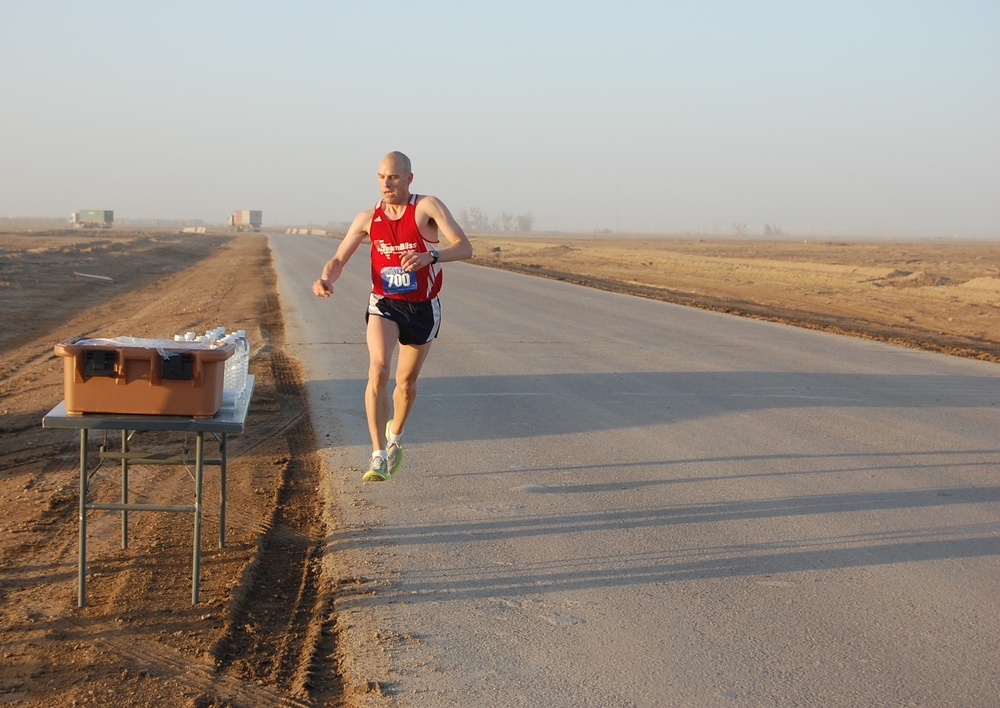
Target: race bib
396,281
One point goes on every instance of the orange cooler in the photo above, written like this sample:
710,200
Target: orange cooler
102,376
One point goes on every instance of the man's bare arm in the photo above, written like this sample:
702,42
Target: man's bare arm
459,248
323,286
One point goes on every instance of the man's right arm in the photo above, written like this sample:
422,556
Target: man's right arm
323,287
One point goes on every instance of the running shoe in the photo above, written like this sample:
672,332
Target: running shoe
394,451
377,471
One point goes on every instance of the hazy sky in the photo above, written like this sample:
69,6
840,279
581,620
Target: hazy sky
628,115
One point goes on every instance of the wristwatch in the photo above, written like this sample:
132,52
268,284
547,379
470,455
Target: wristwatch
435,255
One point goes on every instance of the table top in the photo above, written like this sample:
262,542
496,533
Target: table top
228,420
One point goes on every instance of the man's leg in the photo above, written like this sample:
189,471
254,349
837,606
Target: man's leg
381,335
411,360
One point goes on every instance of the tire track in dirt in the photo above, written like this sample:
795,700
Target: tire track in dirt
50,535
279,624
155,658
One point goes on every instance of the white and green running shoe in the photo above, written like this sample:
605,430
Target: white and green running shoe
377,471
394,451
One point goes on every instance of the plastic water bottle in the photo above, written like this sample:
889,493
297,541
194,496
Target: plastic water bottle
229,377
228,380
242,365
234,376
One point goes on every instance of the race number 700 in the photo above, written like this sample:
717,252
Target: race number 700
397,280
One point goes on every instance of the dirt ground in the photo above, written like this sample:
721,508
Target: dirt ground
264,632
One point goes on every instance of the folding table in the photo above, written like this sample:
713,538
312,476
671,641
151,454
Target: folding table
229,419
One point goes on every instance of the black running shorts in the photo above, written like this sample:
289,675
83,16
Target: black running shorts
418,322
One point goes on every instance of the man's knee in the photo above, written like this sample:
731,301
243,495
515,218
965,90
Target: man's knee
407,386
378,372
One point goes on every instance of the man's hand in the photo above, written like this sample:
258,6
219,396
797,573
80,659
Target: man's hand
414,260
323,288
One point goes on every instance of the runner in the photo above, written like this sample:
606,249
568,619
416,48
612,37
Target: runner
406,231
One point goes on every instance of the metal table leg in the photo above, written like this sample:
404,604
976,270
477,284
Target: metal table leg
222,489
198,469
124,488
81,586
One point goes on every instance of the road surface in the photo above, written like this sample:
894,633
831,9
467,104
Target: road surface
611,501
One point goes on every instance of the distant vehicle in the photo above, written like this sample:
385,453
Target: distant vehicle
245,220
92,219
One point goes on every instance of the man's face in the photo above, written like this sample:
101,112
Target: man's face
393,182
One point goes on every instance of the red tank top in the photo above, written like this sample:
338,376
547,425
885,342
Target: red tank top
390,239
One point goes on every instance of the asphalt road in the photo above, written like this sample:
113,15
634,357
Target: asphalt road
610,501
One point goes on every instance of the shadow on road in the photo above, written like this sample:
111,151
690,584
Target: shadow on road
678,564
465,407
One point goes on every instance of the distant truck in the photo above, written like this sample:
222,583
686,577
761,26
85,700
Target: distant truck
92,219
245,220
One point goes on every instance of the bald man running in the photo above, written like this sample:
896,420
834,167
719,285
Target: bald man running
406,232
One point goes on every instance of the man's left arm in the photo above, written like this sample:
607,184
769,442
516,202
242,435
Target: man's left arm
458,246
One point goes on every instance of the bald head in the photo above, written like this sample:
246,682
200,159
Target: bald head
398,160
394,178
